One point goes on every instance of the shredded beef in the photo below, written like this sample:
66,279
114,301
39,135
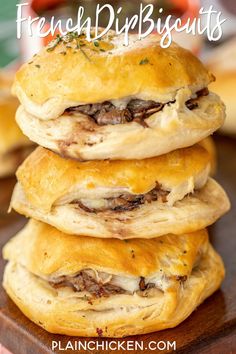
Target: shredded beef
193,102
137,110
142,285
143,109
84,282
127,202
113,116
106,113
181,278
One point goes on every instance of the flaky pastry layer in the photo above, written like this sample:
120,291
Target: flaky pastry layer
60,181
174,127
143,70
47,252
195,211
68,312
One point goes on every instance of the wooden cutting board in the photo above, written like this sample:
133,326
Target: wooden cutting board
210,329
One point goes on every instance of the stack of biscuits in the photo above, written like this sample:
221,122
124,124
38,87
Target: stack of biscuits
118,193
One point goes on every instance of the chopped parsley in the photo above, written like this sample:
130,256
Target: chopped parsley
38,66
96,43
144,61
78,46
54,43
76,42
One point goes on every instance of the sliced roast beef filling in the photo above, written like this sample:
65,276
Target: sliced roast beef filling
126,202
136,110
83,281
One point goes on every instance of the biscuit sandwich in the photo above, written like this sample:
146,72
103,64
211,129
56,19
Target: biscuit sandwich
128,288
102,100
172,193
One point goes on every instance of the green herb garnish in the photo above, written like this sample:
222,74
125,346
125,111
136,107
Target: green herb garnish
78,46
72,37
144,61
38,66
54,43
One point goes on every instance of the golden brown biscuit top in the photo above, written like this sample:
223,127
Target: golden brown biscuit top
57,176
76,71
45,251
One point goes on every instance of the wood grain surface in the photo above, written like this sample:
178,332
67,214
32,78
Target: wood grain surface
210,329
